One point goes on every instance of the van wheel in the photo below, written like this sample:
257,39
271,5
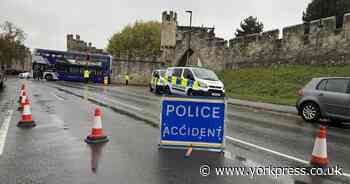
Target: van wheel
157,90
48,77
167,90
310,112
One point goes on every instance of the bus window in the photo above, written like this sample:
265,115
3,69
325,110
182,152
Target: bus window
61,67
74,70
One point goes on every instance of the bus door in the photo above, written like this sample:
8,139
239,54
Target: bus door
75,73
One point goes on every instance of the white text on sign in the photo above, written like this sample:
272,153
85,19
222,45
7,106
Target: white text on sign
189,111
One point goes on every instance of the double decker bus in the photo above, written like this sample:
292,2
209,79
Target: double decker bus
69,66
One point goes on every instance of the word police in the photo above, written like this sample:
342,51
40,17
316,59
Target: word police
190,111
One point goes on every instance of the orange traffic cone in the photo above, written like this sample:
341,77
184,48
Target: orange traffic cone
27,119
319,153
21,93
97,135
23,101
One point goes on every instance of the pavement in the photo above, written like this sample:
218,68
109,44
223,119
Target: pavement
54,150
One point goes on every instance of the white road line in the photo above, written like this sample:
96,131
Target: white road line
273,152
346,174
3,130
267,150
59,98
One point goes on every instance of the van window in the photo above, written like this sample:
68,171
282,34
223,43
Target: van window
205,74
170,72
177,72
155,73
162,73
337,85
188,74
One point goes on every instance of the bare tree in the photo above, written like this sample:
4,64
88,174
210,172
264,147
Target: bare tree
11,44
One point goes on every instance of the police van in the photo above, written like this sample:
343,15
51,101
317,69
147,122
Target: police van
194,81
159,82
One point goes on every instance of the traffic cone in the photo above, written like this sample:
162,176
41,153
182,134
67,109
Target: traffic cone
23,101
319,153
97,135
21,93
27,119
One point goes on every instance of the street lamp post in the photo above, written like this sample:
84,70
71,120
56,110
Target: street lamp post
189,37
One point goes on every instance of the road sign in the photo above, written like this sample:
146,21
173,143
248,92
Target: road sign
197,122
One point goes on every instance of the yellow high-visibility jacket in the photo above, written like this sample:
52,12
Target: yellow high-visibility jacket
86,74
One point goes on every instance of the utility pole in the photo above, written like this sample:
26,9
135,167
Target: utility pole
189,38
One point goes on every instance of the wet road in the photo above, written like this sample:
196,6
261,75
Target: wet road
54,151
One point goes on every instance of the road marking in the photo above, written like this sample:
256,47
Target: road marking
59,98
273,152
3,130
267,150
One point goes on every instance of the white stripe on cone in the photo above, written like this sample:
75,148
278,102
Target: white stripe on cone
26,110
320,148
98,123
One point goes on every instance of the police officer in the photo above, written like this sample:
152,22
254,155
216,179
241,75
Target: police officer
126,79
86,75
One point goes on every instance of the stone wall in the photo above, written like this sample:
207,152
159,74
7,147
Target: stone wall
139,69
318,42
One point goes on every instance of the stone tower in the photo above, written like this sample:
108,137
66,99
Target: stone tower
168,36
70,42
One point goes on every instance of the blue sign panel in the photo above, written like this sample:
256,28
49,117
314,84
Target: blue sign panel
196,122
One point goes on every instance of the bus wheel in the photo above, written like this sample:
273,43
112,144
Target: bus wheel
48,77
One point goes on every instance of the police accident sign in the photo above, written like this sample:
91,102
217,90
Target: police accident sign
198,122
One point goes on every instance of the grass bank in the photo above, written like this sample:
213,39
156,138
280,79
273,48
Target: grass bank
275,85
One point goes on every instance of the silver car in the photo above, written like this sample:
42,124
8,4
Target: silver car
327,97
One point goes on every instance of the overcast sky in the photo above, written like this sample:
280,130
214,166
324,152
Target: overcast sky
47,22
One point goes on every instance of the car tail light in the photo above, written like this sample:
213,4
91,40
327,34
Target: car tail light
301,92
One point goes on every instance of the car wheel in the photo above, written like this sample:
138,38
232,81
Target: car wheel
310,112
48,77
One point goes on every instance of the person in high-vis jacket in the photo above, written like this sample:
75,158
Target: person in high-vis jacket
86,74
126,79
